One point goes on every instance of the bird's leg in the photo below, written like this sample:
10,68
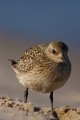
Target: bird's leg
25,95
53,112
51,99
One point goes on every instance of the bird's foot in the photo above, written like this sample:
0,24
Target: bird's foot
54,116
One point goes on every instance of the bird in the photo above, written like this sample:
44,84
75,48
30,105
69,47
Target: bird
43,68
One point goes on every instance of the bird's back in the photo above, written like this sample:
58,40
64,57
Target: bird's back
32,57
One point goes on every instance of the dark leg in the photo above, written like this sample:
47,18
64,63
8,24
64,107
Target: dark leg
53,112
25,95
51,99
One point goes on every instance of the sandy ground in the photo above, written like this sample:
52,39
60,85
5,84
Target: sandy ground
17,110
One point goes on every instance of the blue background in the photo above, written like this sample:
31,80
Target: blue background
46,19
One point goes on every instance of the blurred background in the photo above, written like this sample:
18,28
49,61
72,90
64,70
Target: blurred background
26,23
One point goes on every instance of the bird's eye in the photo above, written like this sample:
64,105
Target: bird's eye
54,52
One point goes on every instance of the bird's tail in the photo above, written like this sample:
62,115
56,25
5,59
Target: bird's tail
13,62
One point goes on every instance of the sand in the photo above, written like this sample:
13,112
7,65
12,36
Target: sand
17,110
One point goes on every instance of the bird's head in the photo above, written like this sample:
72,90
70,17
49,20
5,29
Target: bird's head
57,51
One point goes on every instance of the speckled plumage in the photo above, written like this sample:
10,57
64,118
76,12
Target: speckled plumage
44,68
35,69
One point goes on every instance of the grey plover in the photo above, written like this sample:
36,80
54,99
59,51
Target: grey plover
43,68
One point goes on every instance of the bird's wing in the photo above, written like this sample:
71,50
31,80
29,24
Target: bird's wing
30,59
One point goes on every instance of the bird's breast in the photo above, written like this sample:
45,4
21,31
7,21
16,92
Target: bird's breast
45,80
